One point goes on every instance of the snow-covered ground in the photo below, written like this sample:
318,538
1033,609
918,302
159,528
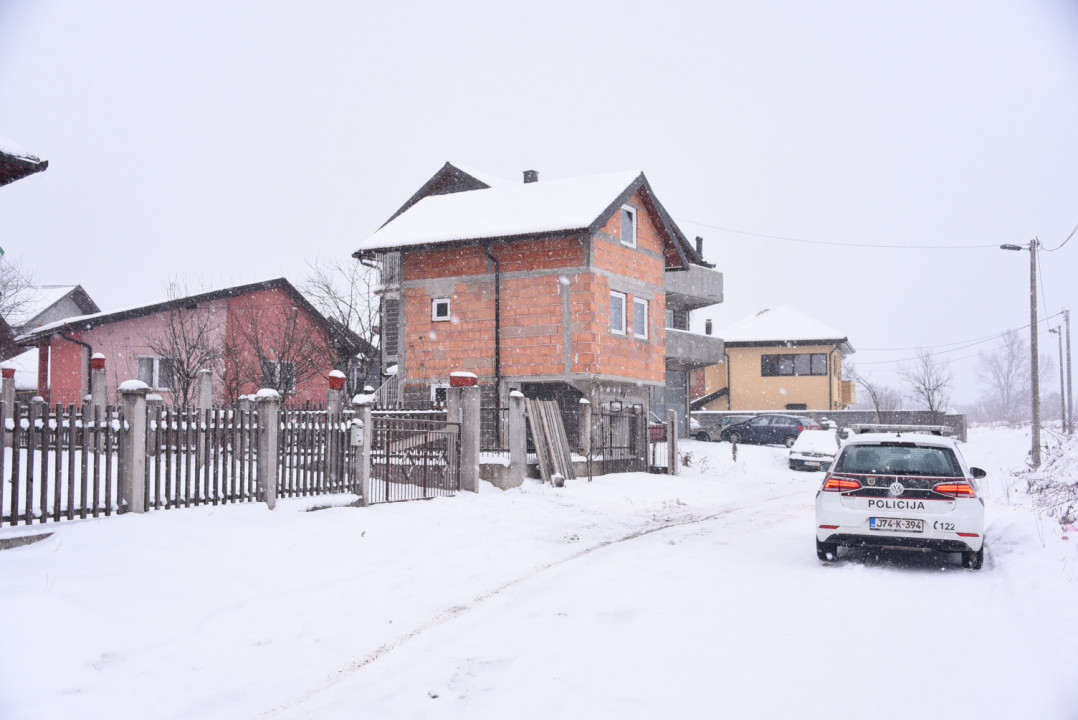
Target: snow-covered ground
632,596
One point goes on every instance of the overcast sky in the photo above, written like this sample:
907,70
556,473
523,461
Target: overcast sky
234,141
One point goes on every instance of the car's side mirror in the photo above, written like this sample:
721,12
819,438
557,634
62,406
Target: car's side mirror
977,473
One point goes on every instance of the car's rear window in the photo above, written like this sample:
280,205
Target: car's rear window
898,459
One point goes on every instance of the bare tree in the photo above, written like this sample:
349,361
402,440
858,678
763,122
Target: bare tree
267,346
929,382
16,290
884,398
1005,373
344,292
188,342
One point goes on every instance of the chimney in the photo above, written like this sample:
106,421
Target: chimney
699,246
707,323
531,176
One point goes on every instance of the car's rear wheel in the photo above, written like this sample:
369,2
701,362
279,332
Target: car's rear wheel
703,437
826,551
734,437
791,440
973,560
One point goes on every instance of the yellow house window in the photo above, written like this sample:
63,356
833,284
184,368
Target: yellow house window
793,364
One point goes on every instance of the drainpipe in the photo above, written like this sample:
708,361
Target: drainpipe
89,355
497,331
729,393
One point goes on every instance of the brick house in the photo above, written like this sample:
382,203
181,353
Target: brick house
260,335
563,289
777,359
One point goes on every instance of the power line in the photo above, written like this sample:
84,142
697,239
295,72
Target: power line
837,244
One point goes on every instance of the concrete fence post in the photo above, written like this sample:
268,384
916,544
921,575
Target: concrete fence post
133,471
671,442
362,435
268,402
462,406
205,391
585,431
7,396
518,440
334,402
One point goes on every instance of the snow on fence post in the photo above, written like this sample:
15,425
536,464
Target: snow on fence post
362,435
133,470
269,409
518,440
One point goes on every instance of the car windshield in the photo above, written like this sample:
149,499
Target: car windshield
899,459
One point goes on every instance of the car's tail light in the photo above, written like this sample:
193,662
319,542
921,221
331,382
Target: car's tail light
956,489
800,429
837,483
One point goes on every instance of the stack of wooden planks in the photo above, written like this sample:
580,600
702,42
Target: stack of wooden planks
551,442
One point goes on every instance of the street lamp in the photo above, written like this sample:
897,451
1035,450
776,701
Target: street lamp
1034,373
1062,385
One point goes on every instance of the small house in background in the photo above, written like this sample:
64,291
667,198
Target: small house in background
564,290
16,163
251,336
777,360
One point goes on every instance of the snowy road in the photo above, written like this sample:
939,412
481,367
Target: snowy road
635,596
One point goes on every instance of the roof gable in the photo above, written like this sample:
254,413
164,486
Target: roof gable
449,179
16,163
341,335
523,210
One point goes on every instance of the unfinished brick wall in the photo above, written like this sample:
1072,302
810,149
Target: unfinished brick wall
547,284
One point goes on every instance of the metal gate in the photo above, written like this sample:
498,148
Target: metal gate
622,442
413,459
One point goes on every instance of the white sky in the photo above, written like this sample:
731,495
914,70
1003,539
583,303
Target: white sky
222,143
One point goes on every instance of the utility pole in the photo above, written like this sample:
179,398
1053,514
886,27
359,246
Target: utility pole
1034,371
1070,398
1035,375
1058,332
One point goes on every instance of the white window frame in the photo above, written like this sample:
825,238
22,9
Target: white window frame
435,303
434,388
630,241
155,371
616,296
637,304
277,364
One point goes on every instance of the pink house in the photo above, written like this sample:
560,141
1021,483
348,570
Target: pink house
261,335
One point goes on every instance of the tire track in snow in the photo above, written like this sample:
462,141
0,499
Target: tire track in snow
458,610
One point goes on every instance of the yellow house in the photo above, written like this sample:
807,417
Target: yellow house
777,360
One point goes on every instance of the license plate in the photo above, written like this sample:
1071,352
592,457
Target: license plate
812,464
896,524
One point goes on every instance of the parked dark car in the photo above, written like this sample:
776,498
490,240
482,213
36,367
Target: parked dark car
769,429
709,426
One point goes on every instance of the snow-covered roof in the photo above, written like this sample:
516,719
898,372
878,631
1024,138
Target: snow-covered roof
782,324
12,148
38,299
503,211
492,180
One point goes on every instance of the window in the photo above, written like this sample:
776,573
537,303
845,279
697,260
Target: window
628,226
793,364
439,395
390,326
439,309
617,312
281,376
640,318
157,372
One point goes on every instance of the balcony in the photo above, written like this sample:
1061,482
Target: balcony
689,351
692,288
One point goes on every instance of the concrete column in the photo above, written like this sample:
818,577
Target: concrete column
132,478
518,440
98,383
7,396
469,439
671,442
585,427
269,408
362,435
205,391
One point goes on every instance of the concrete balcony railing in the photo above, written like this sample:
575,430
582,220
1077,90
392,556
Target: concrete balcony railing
692,288
689,351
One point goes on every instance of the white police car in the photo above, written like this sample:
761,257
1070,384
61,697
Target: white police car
904,490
